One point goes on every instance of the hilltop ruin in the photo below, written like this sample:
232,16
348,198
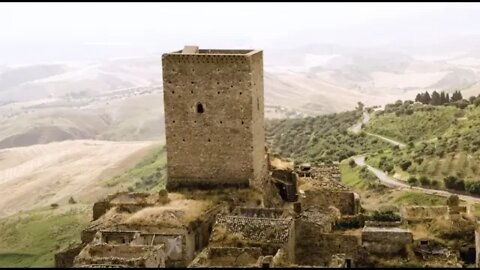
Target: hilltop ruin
228,202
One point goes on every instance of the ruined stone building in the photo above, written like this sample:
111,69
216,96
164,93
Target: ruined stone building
228,203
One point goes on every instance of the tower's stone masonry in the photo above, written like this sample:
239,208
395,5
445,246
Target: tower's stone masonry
214,118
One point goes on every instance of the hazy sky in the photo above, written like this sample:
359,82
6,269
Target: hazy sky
45,32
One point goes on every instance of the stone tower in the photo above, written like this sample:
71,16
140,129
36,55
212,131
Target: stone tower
214,118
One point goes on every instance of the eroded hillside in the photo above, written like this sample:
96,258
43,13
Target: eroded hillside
40,175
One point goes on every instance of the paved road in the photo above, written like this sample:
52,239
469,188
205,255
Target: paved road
395,183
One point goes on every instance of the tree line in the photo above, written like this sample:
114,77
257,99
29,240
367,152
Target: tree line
438,98
442,98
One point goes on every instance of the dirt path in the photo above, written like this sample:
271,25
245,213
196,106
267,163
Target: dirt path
366,118
395,183
39,175
401,145
358,127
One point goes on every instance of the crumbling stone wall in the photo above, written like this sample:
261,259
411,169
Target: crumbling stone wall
214,118
204,229
386,240
260,212
268,233
327,171
117,237
122,255
128,202
64,259
286,182
228,256
477,246
99,209
88,234
345,201
313,247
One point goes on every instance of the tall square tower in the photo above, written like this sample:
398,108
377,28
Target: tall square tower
214,118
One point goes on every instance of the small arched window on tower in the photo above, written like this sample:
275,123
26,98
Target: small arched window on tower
200,108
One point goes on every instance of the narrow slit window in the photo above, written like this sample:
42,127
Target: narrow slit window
200,108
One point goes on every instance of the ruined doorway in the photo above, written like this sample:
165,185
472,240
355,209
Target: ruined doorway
468,255
348,263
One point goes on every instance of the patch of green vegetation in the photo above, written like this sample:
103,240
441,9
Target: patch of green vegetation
439,150
148,175
31,239
358,178
418,198
476,210
424,123
324,138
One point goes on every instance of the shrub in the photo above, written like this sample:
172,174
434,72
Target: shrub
412,180
71,201
351,223
435,183
352,163
424,181
54,205
385,216
419,160
477,102
453,182
366,174
461,104
450,181
472,187
388,168
405,164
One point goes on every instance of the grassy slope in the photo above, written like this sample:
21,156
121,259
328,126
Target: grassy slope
147,175
420,125
446,141
372,196
32,238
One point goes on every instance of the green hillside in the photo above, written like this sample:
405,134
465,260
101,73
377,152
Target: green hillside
148,175
424,122
442,141
320,139
31,239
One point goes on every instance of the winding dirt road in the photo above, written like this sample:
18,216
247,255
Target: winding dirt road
395,183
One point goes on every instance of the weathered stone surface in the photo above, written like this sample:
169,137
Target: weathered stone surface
65,258
386,240
228,256
260,230
214,118
123,255
345,201
477,246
